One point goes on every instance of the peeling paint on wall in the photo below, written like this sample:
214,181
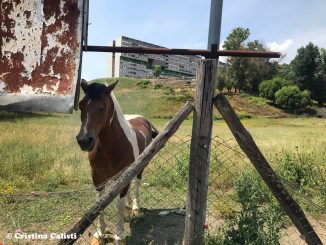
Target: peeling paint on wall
40,45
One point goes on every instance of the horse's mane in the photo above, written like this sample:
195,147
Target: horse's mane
95,90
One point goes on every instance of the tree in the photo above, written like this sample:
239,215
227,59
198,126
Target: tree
235,40
229,84
157,71
221,82
258,69
309,71
247,72
290,98
285,71
305,66
320,94
225,80
237,65
268,88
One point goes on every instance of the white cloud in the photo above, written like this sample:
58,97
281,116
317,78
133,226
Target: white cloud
289,47
280,47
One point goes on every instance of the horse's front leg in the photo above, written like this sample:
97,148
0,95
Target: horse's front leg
136,199
120,235
99,235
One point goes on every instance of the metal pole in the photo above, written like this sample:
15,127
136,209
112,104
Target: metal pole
215,24
202,52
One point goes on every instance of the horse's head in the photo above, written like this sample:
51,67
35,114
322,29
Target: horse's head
97,109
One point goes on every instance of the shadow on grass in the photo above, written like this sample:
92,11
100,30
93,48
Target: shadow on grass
13,116
152,228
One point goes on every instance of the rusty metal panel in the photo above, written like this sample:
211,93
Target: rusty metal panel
40,54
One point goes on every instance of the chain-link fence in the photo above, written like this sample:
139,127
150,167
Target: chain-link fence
240,210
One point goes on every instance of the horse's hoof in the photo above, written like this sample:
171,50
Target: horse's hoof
97,241
136,212
119,241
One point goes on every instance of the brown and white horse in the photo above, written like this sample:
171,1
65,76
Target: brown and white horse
113,142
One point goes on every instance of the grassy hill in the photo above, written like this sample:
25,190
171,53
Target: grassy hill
163,98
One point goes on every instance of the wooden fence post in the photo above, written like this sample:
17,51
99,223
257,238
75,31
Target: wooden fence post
249,147
200,152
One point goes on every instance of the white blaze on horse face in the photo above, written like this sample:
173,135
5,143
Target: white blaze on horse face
126,127
85,125
87,116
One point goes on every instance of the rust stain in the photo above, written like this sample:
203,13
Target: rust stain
39,46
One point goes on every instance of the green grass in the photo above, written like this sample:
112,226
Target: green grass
38,152
149,102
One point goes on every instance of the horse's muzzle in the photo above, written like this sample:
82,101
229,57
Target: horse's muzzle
86,143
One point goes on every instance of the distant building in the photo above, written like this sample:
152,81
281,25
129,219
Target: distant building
141,65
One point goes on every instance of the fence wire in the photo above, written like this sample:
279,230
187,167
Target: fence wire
240,208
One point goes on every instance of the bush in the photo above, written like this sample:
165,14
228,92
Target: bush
144,83
291,99
157,71
300,170
268,88
260,219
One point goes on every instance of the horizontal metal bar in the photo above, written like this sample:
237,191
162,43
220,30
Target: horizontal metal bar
203,52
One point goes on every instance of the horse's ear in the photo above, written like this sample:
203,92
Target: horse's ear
110,87
84,85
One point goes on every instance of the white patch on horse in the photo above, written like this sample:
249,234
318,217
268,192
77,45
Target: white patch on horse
144,137
129,117
126,127
136,198
121,205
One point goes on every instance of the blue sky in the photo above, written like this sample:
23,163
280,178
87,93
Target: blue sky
281,25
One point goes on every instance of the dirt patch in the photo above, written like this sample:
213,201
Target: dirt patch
153,228
292,236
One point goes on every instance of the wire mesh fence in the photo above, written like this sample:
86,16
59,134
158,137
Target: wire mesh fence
240,208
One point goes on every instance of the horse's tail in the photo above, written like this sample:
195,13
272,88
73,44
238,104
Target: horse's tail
154,131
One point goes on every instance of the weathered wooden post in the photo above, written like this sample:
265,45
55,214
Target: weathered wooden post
200,152
201,134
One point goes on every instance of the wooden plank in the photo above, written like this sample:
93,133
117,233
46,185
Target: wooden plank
250,148
126,176
199,152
